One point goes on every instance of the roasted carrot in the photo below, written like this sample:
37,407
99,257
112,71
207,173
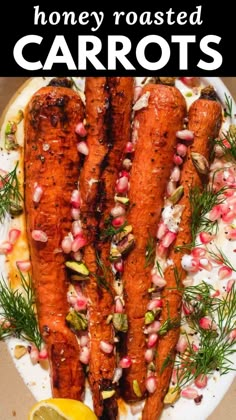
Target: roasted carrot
51,174
205,118
157,125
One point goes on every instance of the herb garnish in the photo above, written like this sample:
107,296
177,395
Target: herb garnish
109,231
220,257
150,251
228,143
10,196
102,278
228,106
18,313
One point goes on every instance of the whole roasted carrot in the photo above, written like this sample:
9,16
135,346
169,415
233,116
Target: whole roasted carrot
51,173
205,118
102,166
157,124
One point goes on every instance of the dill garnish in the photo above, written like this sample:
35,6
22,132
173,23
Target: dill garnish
215,345
109,231
228,143
10,196
202,201
17,312
101,275
220,257
150,251
228,106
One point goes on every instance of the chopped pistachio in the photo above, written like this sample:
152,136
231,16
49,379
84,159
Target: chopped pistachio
77,266
77,320
19,351
172,395
115,254
126,244
152,367
177,194
149,317
121,235
108,394
136,388
200,162
122,200
120,322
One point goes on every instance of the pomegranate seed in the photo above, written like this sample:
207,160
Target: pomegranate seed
122,185
118,221
188,309
215,213
161,251
127,164
34,355
119,308
117,211
13,235
201,381
189,393
181,149
195,347
39,235
77,256
161,230
83,339
231,234
75,199
216,293
80,129
177,160
119,266
125,362
186,135
80,304
171,187
190,81
82,148
168,239
189,263
84,355
182,344
151,384
23,265
154,304
205,263
117,375
158,280
232,335
229,285
129,148
153,327
124,173
206,323
137,93
5,248
37,194
175,174
198,252
43,354
75,213
76,228
106,347
226,143
205,237
228,217
224,272
78,243
149,355
66,244
152,340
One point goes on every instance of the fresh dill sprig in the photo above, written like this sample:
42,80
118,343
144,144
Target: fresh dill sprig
109,231
220,257
150,251
202,201
228,143
169,324
10,196
198,299
159,269
101,275
215,345
18,313
228,109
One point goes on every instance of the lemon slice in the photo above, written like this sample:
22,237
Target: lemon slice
60,409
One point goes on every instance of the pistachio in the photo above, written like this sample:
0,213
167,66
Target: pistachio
200,162
149,317
126,244
108,394
121,235
177,194
78,267
115,254
122,200
120,322
78,277
19,116
152,367
136,388
77,320
172,395
15,208
19,351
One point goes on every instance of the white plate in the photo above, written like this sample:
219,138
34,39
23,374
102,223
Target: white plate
36,378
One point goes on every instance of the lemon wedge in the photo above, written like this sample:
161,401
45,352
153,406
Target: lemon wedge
60,409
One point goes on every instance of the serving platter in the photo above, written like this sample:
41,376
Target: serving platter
36,377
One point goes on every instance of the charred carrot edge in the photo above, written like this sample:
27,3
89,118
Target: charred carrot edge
52,163
205,118
157,125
